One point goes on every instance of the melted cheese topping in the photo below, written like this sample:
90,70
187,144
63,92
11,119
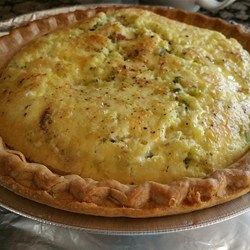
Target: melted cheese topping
128,95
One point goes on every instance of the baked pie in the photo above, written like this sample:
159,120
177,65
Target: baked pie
122,111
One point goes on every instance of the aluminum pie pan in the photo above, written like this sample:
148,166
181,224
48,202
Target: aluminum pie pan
112,226
123,226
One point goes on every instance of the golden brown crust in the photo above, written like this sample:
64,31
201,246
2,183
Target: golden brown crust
111,198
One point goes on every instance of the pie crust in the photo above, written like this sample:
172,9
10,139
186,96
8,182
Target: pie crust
110,197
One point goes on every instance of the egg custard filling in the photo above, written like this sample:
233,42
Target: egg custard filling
130,96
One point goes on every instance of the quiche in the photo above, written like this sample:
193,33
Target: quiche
124,111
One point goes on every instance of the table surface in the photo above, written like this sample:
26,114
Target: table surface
20,233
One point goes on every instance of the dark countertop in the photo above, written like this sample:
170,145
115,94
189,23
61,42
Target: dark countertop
237,12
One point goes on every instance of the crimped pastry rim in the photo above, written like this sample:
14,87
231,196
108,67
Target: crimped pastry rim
111,198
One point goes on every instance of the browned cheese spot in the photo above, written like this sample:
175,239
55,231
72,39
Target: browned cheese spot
45,119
